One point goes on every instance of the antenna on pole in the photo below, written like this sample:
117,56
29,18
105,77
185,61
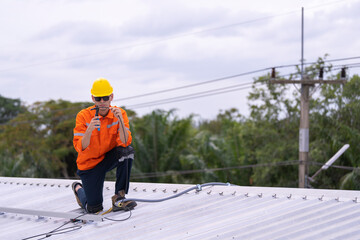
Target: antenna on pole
302,43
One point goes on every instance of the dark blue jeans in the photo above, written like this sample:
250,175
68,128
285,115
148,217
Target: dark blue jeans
91,195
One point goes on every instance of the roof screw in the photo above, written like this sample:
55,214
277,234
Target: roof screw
24,184
67,185
52,185
37,184
234,193
59,185
154,190
274,196
135,189
107,188
45,185
337,199
246,194
289,196
321,198
31,184
304,197
11,182
164,190
221,193
175,191
260,195
17,183
144,190
209,192
355,200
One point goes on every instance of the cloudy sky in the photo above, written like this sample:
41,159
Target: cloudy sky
56,49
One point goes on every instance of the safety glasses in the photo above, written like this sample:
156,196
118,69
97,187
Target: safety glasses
105,98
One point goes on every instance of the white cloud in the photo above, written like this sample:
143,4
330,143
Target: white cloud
55,49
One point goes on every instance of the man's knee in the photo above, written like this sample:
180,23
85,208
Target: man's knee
124,153
94,209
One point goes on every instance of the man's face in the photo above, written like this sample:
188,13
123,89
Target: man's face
103,103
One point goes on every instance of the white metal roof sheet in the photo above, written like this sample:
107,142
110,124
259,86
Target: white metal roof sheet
218,212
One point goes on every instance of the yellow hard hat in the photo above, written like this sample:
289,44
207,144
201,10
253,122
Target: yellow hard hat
101,87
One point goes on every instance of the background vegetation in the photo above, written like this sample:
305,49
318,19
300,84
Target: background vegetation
262,149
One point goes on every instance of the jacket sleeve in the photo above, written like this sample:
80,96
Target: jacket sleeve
79,132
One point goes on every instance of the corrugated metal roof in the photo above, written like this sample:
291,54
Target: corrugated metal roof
219,212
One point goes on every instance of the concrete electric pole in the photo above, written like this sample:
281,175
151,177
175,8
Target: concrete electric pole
306,83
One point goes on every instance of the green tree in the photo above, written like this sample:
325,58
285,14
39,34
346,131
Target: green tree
270,134
160,138
9,108
40,140
221,147
336,122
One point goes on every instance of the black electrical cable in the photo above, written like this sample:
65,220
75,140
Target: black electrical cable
119,220
58,230
126,161
198,188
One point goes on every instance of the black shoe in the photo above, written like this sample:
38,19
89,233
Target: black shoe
119,205
73,186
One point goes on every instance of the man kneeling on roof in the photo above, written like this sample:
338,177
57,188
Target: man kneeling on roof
102,139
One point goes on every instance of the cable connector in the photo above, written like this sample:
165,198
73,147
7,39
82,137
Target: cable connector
198,188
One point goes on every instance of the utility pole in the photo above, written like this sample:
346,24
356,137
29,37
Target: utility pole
306,83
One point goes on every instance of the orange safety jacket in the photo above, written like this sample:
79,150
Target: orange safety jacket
101,141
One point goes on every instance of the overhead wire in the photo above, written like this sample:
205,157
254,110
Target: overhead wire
184,172
196,95
192,85
224,78
136,176
188,96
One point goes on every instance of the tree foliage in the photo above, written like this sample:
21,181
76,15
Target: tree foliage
261,150
38,141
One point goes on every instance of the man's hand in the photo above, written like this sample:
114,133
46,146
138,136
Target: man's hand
123,134
117,113
94,123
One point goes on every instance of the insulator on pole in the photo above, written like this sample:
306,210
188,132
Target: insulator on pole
343,73
273,73
321,73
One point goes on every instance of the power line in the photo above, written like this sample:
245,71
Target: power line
263,165
192,85
181,99
184,172
225,78
195,95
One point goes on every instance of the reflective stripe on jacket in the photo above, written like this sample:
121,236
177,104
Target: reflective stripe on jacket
101,141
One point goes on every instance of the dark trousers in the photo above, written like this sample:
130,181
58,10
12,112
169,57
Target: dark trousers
91,195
